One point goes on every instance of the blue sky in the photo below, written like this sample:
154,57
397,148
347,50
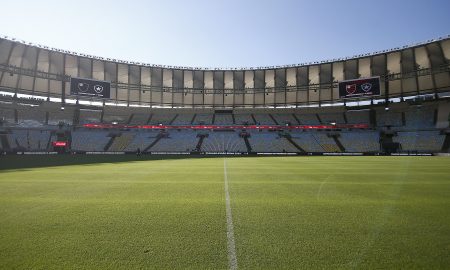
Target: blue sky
225,33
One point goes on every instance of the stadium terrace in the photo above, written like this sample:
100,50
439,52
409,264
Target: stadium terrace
394,101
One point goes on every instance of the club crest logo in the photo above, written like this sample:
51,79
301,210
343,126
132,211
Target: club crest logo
83,87
98,89
350,88
366,87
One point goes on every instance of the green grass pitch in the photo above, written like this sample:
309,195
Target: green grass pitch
124,212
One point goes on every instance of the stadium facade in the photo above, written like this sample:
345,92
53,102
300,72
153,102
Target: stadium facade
283,109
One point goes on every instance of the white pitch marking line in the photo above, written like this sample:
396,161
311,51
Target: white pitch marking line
322,184
230,231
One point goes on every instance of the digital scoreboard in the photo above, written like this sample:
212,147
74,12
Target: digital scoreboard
359,88
90,88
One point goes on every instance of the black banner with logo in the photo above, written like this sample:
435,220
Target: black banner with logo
359,88
92,88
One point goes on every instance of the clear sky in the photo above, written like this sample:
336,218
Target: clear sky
225,33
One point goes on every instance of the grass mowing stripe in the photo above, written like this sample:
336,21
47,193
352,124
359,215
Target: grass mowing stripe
287,213
374,219
136,222
230,231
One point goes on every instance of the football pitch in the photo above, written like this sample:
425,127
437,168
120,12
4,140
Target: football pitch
124,212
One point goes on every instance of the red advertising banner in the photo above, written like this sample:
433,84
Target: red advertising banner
262,127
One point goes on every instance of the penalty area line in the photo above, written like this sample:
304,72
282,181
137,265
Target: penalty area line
232,259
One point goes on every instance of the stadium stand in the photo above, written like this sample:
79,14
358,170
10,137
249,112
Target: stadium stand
29,116
141,140
121,142
183,119
295,120
326,142
263,119
7,114
221,142
39,140
360,141
139,119
90,116
358,117
120,115
176,141
58,117
327,118
203,119
29,140
389,118
270,142
414,127
307,141
18,139
420,141
223,119
419,118
243,119
89,140
285,118
308,119
162,118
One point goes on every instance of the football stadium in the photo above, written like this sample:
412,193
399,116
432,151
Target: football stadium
332,164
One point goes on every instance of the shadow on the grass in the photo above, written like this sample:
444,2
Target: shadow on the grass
23,162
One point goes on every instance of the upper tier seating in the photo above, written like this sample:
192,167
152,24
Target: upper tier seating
358,117
117,115
420,118
389,118
263,119
308,119
30,116
139,119
285,118
203,119
57,116
242,119
7,115
92,116
328,118
162,118
223,119
183,119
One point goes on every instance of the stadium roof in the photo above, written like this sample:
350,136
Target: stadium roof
226,68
